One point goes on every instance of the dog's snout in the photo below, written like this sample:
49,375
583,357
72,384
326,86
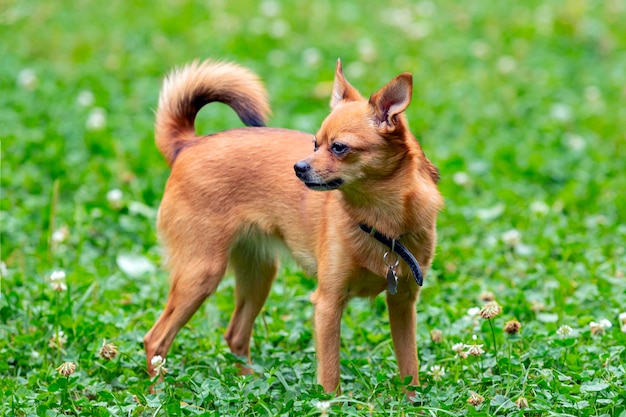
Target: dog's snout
301,168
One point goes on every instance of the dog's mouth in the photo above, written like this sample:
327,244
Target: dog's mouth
324,186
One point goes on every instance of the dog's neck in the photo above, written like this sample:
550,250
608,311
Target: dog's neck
390,205
383,210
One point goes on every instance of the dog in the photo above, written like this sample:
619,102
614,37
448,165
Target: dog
355,204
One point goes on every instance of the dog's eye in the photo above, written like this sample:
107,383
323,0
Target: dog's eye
315,145
339,148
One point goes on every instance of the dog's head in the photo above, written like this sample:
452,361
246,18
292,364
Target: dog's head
361,140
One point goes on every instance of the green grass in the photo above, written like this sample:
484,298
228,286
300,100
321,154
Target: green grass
521,105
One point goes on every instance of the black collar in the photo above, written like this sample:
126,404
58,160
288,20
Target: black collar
399,249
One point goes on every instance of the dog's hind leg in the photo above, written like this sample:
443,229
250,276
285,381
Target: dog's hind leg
255,267
192,281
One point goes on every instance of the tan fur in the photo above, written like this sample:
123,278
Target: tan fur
232,196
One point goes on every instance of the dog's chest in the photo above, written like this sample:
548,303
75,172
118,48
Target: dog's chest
306,260
365,283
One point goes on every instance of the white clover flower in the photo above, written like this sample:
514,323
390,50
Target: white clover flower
606,323
57,280
473,312
437,372
512,238
115,197
564,330
575,142
85,98
561,112
458,347
323,406
58,340
475,350
60,235
475,399
539,207
512,326
66,368
521,403
97,119
490,241
461,178
537,306
480,49
108,351
27,79
158,363
596,329
490,310
57,275
506,64
599,328
270,8
436,335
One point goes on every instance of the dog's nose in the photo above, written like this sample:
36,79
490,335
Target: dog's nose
301,168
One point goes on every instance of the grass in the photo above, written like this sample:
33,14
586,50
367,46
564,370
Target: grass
521,106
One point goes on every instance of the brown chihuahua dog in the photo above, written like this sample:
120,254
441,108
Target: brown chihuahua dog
359,213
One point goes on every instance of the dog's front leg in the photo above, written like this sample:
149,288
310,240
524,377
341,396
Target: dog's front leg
403,323
329,307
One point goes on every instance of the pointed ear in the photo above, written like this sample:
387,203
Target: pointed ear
392,99
342,90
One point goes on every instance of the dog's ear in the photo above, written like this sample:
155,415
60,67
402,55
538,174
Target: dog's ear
342,90
391,100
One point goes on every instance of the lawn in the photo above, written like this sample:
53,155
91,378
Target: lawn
521,105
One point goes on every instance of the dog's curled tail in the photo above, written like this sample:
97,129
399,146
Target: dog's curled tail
185,91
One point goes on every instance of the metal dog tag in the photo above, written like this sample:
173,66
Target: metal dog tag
392,281
392,278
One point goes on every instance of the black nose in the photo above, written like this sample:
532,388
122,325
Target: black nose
301,168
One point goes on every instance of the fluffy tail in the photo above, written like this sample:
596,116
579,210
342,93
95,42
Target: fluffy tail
185,91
